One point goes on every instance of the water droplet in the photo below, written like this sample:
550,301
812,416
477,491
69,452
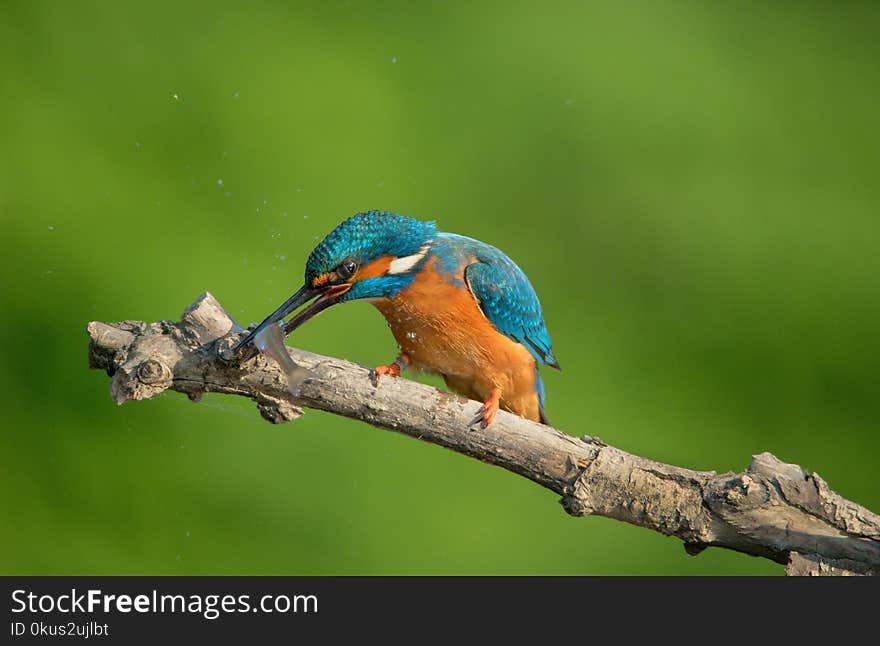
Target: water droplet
137,146
51,228
235,96
281,258
176,96
410,335
299,189
187,533
569,101
284,214
228,194
305,216
220,181
393,59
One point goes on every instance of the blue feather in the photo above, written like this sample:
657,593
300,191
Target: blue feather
503,293
539,388
364,237
378,287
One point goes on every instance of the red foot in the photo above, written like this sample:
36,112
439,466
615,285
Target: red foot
489,409
393,369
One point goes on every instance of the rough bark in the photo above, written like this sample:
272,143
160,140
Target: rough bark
772,509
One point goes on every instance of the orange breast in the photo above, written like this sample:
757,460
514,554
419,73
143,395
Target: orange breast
439,325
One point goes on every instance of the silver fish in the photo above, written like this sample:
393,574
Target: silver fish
270,341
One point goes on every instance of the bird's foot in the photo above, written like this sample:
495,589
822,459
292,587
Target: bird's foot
488,410
393,369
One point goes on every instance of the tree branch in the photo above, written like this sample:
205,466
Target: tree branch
773,509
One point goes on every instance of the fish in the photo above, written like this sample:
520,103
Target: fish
270,341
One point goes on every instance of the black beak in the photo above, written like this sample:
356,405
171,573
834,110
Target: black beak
327,296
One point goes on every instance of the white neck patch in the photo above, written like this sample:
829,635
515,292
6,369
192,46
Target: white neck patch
401,265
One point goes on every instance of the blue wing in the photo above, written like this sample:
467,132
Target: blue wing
509,301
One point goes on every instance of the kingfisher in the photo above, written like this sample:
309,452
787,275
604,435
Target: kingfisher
456,306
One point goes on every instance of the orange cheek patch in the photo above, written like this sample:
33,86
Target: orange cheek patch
323,279
378,267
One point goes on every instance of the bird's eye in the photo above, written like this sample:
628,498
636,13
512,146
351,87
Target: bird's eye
346,269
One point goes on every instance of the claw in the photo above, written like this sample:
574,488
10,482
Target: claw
478,417
488,410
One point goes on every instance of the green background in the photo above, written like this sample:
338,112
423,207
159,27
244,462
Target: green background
692,187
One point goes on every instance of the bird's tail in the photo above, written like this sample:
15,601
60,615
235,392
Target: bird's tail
539,389
544,419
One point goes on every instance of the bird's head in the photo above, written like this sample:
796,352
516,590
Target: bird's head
374,254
